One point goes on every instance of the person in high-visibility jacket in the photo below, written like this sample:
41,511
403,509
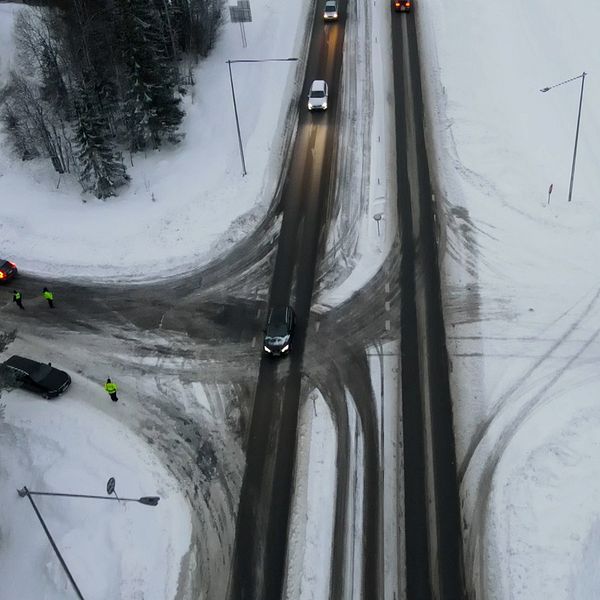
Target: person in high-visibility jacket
111,389
18,298
49,296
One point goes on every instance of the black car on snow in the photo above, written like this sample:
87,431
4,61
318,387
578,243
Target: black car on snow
8,270
37,377
278,332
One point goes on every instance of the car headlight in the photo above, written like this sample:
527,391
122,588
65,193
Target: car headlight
285,348
310,106
267,349
324,105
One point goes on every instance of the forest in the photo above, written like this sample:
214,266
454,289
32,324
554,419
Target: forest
97,81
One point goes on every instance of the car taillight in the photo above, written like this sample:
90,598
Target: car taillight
2,275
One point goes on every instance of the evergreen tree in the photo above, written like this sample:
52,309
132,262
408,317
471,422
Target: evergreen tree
137,102
101,170
137,109
125,55
151,110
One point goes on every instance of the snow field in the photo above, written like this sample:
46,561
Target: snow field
114,550
313,504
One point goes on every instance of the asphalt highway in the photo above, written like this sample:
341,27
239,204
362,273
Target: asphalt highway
262,523
209,321
434,566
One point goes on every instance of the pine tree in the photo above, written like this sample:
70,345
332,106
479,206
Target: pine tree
136,103
166,115
151,109
101,169
137,109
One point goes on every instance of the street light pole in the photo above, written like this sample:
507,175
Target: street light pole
110,488
26,493
147,500
548,88
237,121
576,136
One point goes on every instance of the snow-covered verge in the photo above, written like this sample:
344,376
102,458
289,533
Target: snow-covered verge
522,295
182,202
385,381
313,505
113,550
365,224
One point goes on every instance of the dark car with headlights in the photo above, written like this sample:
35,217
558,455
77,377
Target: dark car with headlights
41,378
402,5
279,330
8,270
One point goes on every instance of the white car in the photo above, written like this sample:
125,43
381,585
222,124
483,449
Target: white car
317,97
331,12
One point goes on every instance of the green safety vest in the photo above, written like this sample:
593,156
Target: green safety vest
17,295
49,295
111,388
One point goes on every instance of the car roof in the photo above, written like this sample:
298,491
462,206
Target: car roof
279,312
22,363
330,3
318,84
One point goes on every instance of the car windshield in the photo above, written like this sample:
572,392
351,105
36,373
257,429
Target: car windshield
277,330
39,374
317,94
330,6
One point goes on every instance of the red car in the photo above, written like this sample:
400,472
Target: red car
402,5
8,270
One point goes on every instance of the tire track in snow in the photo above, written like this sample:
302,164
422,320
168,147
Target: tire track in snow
477,531
509,395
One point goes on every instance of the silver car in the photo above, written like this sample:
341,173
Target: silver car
317,97
331,11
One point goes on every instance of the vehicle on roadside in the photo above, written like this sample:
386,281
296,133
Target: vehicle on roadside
318,95
402,5
331,11
281,322
8,270
41,378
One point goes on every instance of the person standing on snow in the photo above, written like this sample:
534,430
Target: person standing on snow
49,296
111,389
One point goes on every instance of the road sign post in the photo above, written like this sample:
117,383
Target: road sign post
378,217
241,14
